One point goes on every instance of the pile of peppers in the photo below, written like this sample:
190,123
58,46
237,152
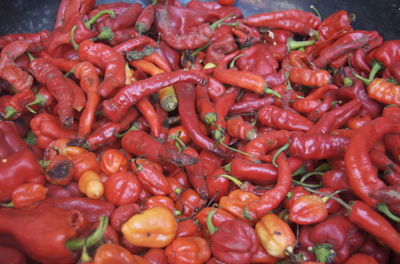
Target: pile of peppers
191,134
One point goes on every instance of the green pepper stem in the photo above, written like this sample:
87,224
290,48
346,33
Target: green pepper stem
210,118
323,167
217,23
40,100
308,175
85,257
299,171
31,138
305,185
347,81
237,150
331,196
92,20
382,207
246,214
232,64
132,128
72,39
211,228
316,11
272,92
376,67
10,111
324,252
197,51
233,179
106,34
30,56
293,44
279,151
94,238
228,167
9,204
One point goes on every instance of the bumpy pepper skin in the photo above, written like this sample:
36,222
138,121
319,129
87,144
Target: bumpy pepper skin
113,253
384,91
122,188
16,169
230,234
42,233
188,250
275,235
155,227
275,117
308,209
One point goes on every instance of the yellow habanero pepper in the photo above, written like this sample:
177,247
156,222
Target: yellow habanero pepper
155,227
275,235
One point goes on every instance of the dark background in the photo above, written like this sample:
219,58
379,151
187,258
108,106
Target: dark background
382,15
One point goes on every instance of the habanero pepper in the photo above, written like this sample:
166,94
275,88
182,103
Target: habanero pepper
236,201
114,253
60,170
190,203
220,47
185,250
308,209
9,71
113,160
117,106
225,239
122,188
27,194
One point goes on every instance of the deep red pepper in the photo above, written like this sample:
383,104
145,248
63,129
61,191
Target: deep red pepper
361,173
220,47
67,9
317,146
108,60
145,19
117,106
34,39
123,20
296,21
308,209
11,255
49,75
156,256
336,180
122,214
190,203
373,248
9,71
276,117
91,209
122,188
27,194
11,140
196,174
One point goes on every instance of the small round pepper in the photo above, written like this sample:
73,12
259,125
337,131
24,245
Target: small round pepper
188,250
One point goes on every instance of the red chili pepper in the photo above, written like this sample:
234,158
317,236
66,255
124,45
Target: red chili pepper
43,98
115,107
147,110
188,250
276,117
271,198
156,256
105,134
49,75
190,203
359,168
151,177
220,47
237,127
9,71
15,106
122,188
32,231
123,20
67,9
307,77
108,60
296,21
145,19
34,39
186,97
336,180
91,209
204,105
217,186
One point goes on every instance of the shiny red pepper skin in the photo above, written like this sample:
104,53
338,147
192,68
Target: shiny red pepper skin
196,174
140,143
117,106
91,209
145,19
296,21
43,242
123,20
11,141
224,242
317,146
34,39
11,255
362,174
18,168
276,117
122,188
122,214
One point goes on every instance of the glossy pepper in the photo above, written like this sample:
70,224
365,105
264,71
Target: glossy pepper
114,253
43,242
225,239
155,227
279,118
11,140
18,168
188,250
27,194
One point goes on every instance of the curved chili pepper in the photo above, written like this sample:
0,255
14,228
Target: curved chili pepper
360,171
49,75
204,105
383,91
187,111
34,39
237,127
67,9
105,134
145,19
196,175
123,20
9,71
146,108
15,106
276,117
307,77
272,198
107,59
129,95
296,21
